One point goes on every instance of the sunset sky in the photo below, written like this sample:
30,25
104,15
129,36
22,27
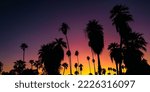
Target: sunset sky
36,22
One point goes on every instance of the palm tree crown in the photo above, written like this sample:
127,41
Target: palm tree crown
52,54
65,65
19,66
115,54
23,47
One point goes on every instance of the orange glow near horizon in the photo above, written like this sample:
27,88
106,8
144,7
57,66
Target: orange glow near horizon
84,51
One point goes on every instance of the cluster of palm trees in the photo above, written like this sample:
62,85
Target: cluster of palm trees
132,44
127,54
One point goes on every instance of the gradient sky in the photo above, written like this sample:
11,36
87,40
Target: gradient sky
36,22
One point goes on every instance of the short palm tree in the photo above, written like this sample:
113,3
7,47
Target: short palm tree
77,55
1,67
110,70
51,55
31,63
81,68
76,67
23,47
88,58
93,60
19,66
115,54
65,65
103,71
38,64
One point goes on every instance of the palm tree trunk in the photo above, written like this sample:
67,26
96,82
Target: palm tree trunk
67,42
99,65
76,69
117,68
121,43
120,69
94,68
93,62
89,67
64,71
23,55
31,66
70,55
78,64
70,65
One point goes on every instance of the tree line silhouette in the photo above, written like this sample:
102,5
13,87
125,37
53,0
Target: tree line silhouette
128,54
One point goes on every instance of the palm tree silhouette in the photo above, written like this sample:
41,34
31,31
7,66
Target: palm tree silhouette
123,69
58,53
120,16
114,70
1,67
96,39
65,65
88,58
38,65
133,53
110,70
51,55
103,71
23,47
64,29
32,63
81,68
19,66
76,66
76,73
93,60
115,54
77,54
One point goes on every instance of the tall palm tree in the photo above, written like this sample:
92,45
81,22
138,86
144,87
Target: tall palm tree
77,55
96,39
64,29
23,47
115,54
1,67
65,65
120,17
19,66
81,68
31,63
88,58
52,54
